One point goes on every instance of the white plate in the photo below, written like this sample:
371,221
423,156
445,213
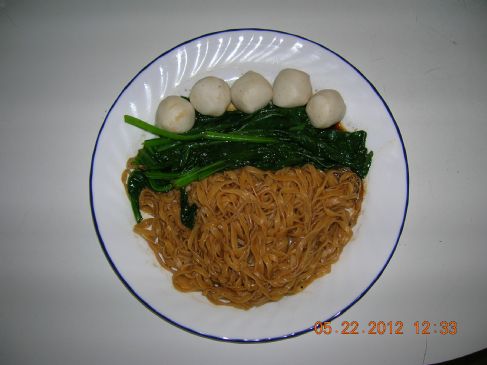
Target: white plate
228,55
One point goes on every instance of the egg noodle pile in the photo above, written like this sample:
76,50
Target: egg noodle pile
259,235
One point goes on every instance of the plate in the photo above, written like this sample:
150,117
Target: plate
228,54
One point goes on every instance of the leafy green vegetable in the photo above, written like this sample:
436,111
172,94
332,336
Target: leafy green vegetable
269,139
188,211
194,136
136,182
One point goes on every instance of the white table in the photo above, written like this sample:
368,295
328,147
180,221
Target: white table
63,63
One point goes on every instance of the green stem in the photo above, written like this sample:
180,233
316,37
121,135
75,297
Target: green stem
161,175
237,137
162,187
156,142
199,174
194,137
157,131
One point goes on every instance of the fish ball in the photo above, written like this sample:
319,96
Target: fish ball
292,88
175,114
210,96
251,92
326,108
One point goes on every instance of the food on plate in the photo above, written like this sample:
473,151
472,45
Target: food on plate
210,96
269,139
291,88
251,92
259,235
252,204
175,114
326,108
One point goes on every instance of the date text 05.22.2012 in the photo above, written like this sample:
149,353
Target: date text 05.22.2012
386,328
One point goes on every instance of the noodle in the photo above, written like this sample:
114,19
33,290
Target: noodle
259,235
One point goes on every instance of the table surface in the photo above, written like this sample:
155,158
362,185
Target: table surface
62,63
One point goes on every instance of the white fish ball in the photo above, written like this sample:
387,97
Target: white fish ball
292,88
251,92
210,96
326,108
175,114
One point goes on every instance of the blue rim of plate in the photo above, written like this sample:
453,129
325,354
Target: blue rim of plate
244,340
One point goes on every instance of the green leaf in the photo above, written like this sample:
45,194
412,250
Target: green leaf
269,139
